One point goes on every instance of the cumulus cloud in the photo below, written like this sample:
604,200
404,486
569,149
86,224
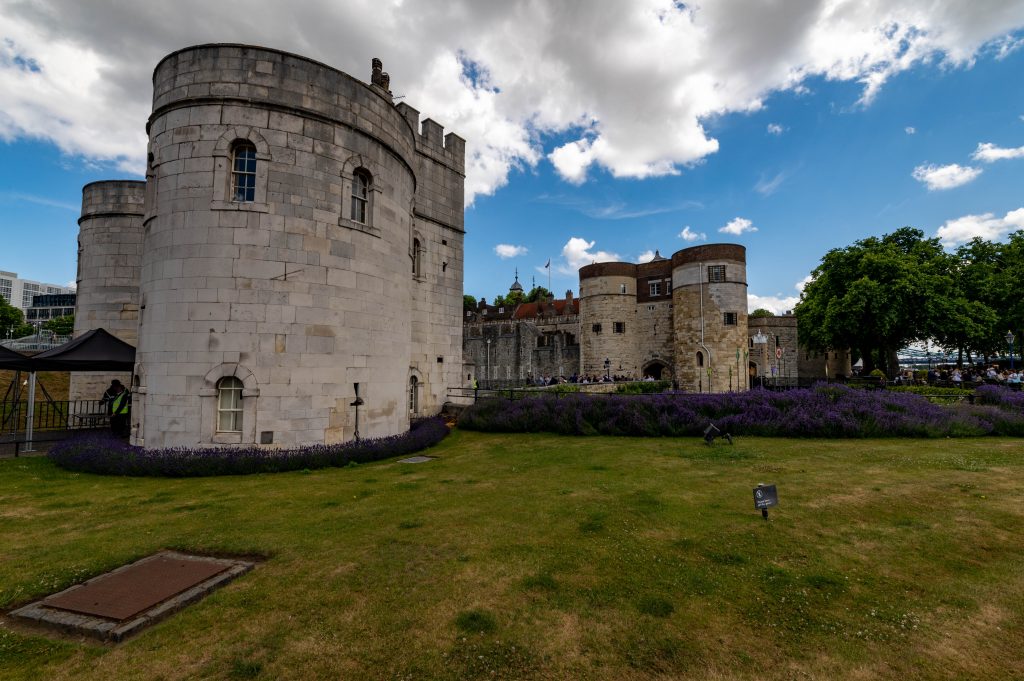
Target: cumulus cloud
775,129
779,304
646,256
945,177
506,251
578,252
625,86
987,226
738,226
689,235
910,130
988,153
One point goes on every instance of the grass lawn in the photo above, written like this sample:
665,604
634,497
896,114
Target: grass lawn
546,557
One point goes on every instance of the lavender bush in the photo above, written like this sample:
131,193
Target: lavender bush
823,411
1000,396
106,455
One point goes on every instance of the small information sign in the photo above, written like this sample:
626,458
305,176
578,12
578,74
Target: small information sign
765,496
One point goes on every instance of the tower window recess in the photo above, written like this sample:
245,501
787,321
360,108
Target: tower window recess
619,327
716,273
655,288
700,359
729,318
417,259
622,288
243,172
596,328
229,405
361,196
414,398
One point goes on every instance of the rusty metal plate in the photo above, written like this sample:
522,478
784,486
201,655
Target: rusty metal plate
124,593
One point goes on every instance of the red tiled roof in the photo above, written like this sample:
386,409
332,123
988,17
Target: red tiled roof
534,310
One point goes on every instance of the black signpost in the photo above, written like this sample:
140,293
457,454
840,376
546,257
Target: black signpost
765,496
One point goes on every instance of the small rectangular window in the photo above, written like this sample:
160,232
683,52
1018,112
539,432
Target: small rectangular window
596,328
619,327
655,288
729,318
650,307
716,273
622,288
243,173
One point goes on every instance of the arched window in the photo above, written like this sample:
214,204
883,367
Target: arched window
361,196
700,359
243,172
414,398
229,405
417,265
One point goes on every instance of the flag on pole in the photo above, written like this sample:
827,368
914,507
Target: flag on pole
548,264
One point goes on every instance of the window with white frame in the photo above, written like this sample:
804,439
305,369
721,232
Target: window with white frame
622,288
243,172
361,196
655,288
229,405
414,398
417,259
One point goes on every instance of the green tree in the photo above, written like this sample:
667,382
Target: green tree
61,326
760,313
11,319
877,296
468,302
537,293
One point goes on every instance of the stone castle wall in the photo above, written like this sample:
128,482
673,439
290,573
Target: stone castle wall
109,261
608,297
700,307
287,293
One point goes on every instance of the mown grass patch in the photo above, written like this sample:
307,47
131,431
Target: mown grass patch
559,558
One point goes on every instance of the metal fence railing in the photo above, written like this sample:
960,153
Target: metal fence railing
52,415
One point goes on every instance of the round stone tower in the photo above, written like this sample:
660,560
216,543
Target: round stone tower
709,297
281,252
109,260
608,328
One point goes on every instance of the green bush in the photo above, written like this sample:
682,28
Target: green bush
642,387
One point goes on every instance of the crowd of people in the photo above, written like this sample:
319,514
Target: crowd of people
969,375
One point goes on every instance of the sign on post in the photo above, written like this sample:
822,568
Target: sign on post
765,496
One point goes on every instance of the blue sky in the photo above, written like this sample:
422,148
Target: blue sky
814,147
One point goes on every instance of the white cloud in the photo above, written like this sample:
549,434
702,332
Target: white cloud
945,177
627,86
689,235
646,256
767,187
738,226
987,226
577,253
506,251
779,304
775,129
989,153
910,130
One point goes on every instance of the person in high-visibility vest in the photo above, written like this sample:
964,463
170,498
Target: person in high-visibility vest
120,412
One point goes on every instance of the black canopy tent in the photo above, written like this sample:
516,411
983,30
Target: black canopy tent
96,350
15,361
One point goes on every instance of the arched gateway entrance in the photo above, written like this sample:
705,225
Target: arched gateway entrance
658,370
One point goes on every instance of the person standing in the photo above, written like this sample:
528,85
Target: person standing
120,411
